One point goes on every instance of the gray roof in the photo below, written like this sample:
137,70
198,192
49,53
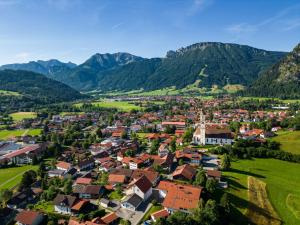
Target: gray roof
134,200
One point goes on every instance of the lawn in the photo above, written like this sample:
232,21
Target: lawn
6,134
120,105
44,206
153,209
19,116
290,141
282,179
115,195
9,93
10,177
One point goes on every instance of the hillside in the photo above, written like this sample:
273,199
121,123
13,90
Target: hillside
282,80
31,88
49,68
207,63
84,76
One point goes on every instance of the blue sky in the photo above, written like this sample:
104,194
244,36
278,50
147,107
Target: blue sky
73,30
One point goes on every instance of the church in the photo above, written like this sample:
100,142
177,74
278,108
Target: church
211,134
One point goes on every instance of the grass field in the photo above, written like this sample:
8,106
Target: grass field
293,203
265,98
9,93
44,206
18,116
120,105
290,141
282,179
10,177
260,210
6,134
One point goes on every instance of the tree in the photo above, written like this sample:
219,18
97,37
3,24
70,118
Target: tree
188,135
29,177
173,144
210,185
5,195
154,146
225,163
224,203
200,177
67,186
180,162
125,222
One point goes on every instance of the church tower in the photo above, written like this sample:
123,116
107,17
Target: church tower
199,134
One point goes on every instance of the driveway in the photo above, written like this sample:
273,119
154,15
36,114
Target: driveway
134,216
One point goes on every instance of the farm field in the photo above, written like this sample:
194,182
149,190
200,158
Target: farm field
18,116
10,177
6,134
290,141
9,93
265,98
282,180
120,105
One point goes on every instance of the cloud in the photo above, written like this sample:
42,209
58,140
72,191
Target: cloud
280,20
117,25
199,5
22,56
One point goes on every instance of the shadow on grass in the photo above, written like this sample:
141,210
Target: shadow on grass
246,173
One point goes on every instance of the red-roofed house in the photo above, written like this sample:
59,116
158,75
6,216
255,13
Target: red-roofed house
29,218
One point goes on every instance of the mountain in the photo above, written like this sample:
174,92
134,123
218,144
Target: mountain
48,68
32,88
201,65
282,80
208,64
84,76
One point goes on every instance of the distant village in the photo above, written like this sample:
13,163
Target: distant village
137,167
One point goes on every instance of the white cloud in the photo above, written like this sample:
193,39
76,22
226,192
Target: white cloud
23,56
199,5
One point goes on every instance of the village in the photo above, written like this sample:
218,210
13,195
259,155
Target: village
131,167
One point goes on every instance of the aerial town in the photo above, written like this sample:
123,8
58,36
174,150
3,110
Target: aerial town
107,166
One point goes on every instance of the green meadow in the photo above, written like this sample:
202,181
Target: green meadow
120,105
10,177
19,116
6,134
283,186
289,140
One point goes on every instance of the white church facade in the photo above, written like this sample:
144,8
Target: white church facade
211,134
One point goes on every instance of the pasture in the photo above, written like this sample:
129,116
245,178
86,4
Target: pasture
10,177
7,134
289,140
282,180
124,106
19,116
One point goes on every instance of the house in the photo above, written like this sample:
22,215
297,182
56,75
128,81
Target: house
165,162
189,156
21,199
56,173
214,174
178,125
63,203
24,155
63,166
152,176
179,197
184,172
85,165
137,193
110,218
163,150
104,202
163,213
28,217
143,188
132,202
88,191
83,180
116,179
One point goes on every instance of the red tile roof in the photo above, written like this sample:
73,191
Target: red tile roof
186,171
27,217
83,180
109,218
24,150
160,214
180,196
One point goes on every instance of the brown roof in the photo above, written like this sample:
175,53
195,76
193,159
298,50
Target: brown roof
213,173
180,196
116,178
79,204
83,180
27,217
63,165
186,171
109,218
143,184
160,214
151,175
67,200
